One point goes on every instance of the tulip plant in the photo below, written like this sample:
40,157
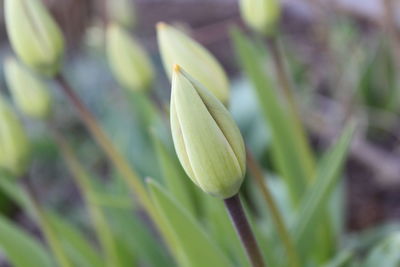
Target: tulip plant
212,199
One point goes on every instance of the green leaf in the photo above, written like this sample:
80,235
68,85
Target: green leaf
38,214
139,240
341,259
385,253
197,248
290,148
99,221
20,248
315,200
292,153
79,250
9,186
177,182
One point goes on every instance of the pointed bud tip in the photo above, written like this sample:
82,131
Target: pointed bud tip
177,68
161,25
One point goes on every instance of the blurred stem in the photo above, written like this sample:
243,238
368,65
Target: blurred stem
118,160
283,233
281,72
242,226
47,229
97,215
285,83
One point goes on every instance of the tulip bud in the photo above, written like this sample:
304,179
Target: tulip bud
14,146
122,12
177,48
208,142
29,92
128,60
34,35
261,15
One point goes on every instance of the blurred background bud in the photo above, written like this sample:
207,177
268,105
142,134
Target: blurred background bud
14,145
34,35
208,142
177,48
261,15
128,60
29,92
122,12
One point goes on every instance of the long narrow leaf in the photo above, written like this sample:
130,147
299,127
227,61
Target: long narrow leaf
20,248
98,218
315,200
175,177
198,248
290,155
74,243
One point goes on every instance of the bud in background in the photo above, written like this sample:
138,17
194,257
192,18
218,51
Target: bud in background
122,12
177,48
208,142
34,35
14,146
29,92
261,15
128,60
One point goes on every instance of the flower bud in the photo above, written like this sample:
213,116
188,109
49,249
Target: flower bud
177,48
34,35
122,12
261,15
208,142
128,60
29,92
14,146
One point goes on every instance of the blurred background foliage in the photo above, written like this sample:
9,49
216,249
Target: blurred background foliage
344,63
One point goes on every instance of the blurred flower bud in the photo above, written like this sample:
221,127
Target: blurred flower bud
29,92
208,142
261,15
34,35
14,146
122,12
177,48
128,60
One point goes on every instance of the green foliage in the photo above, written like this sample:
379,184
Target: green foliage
119,222
197,248
21,248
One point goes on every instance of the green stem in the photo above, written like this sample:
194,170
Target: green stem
243,229
283,233
98,218
118,160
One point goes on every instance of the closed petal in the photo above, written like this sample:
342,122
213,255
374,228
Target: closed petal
214,163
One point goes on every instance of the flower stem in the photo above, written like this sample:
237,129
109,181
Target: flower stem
118,160
283,233
239,220
281,73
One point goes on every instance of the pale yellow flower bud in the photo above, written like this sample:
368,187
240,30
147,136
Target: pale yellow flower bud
122,12
29,92
261,15
128,60
208,142
34,35
14,145
177,48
